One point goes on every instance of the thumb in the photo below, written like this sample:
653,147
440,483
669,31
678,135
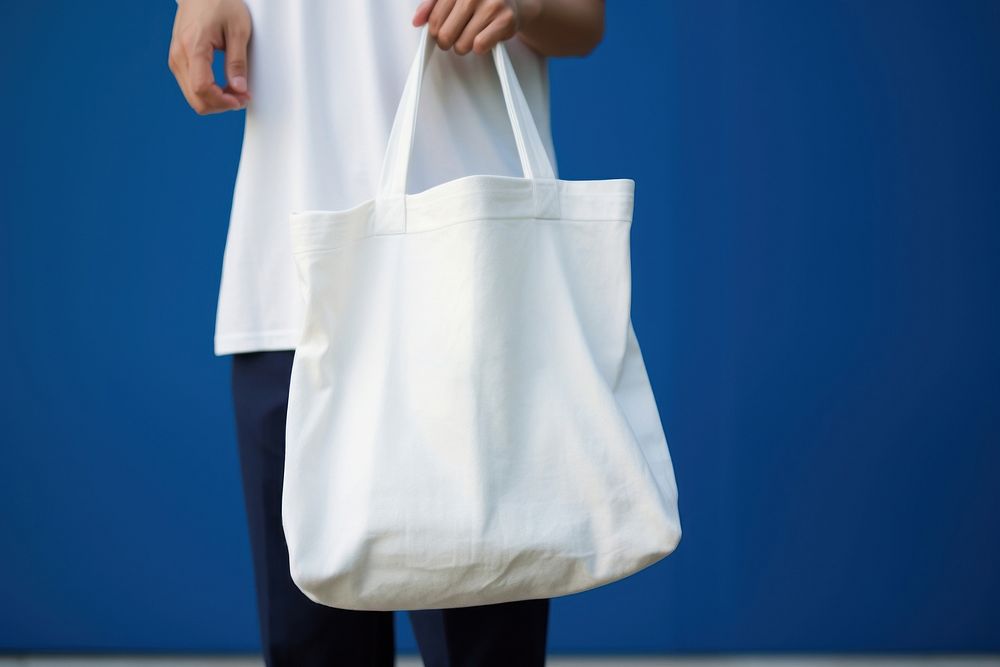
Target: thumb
237,36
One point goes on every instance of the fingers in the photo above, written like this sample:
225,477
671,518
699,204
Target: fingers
205,94
236,37
423,13
450,26
500,28
198,33
177,62
467,25
439,12
493,22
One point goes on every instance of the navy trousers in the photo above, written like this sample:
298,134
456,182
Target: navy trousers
297,632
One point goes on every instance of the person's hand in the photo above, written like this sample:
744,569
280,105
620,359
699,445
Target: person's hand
473,25
201,27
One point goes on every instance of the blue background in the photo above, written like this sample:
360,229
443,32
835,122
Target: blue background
815,251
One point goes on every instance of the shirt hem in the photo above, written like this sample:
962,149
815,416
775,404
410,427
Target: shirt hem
281,339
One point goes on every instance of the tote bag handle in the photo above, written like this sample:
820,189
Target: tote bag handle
395,165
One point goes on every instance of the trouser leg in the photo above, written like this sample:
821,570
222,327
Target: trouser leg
510,633
295,631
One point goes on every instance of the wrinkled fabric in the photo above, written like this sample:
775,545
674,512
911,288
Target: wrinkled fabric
470,419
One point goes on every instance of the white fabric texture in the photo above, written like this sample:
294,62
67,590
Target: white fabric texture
470,420
326,78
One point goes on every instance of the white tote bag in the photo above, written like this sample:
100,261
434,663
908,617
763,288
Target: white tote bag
469,417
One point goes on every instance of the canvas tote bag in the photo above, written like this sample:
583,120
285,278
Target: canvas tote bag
469,416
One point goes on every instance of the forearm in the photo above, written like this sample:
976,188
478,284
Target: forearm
561,27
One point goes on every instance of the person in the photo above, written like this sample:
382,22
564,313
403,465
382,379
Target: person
320,82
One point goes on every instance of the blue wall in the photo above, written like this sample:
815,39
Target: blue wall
816,240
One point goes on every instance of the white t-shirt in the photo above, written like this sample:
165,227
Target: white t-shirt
325,79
